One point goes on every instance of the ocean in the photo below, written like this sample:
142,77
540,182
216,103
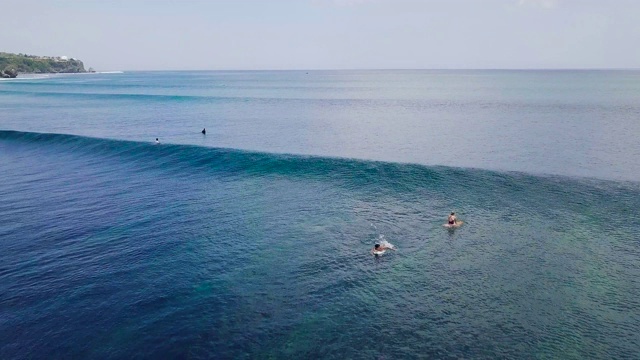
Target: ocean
253,241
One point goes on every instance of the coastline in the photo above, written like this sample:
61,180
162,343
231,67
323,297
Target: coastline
33,76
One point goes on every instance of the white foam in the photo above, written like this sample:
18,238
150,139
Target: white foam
26,77
383,242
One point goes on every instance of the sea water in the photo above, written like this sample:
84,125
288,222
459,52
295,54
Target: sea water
253,241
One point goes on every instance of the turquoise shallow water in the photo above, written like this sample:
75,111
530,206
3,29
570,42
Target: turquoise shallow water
115,247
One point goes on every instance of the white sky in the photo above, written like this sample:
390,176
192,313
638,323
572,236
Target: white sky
327,34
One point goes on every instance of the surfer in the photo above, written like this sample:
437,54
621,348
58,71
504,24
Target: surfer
204,131
452,219
380,249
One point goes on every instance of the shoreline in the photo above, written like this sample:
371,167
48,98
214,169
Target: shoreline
30,76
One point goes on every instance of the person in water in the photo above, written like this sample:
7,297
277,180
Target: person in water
452,219
157,141
378,248
204,131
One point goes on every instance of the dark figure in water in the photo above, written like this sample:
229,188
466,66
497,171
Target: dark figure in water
204,131
157,141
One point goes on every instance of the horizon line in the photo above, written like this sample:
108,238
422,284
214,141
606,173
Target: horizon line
395,69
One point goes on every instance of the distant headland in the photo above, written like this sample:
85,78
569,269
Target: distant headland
13,64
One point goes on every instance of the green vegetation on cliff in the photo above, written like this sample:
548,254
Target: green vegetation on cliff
13,64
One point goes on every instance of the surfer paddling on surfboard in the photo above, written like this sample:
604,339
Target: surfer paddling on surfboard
452,221
379,249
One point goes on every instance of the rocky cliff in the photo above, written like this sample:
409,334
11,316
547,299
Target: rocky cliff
13,64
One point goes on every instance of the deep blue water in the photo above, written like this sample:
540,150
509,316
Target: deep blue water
253,240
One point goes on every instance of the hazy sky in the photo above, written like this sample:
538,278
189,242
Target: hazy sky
327,34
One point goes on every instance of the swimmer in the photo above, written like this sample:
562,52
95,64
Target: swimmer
379,249
204,131
157,141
